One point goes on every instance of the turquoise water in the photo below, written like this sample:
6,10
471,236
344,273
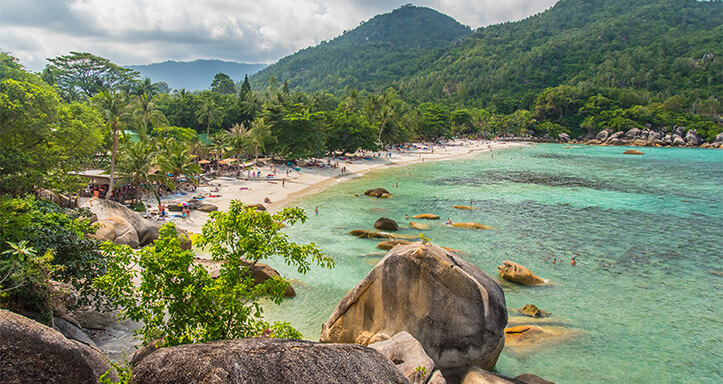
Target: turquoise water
644,300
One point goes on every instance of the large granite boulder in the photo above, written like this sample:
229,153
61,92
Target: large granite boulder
386,224
564,137
377,235
632,152
692,138
389,244
719,138
117,230
428,216
262,360
471,225
679,130
479,376
602,135
449,305
533,311
33,353
205,207
408,355
677,140
146,230
518,274
633,133
418,225
257,207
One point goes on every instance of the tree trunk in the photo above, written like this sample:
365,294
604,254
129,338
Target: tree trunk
113,154
208,129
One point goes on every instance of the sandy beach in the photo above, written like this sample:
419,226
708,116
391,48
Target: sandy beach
309,180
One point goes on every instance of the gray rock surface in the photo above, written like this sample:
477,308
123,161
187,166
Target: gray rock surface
480,376
679,130
719,138
118,230
677,140
407,354
146,230
564,137
632,133
33,353
602,135
263,361
692,138
449,305
72,331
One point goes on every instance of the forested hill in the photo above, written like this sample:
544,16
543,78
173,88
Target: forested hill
194,75
666,47
371,56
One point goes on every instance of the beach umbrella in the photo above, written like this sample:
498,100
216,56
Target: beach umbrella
182,204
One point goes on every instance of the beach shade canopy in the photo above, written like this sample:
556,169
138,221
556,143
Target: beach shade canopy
230,160
202,162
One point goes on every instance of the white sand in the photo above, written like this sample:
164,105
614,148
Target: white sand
314,179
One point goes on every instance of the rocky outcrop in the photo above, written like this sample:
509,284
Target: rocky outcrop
146,231
386,224
261,360
532,311
516,273
427,216
679,130
57,198
389,244
471,225
378,192
33,353
632,152
564,137
418,225
602,135
480,376
207,208
449,305
146,350
677,140
529,378
692,138
117,230
408,355
719,138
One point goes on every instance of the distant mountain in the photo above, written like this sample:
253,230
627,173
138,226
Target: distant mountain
372,55
194,75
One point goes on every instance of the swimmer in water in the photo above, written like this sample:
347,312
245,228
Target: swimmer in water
573,262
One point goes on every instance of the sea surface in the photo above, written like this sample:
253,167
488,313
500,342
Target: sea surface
642,305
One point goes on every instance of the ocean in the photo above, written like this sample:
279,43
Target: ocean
642,305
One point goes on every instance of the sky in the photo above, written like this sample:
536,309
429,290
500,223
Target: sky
250,31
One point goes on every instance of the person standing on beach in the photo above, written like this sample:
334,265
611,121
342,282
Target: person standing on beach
316,210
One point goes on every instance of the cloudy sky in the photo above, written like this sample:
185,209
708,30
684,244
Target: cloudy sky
252,31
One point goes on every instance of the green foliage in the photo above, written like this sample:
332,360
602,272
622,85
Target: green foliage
61,237
349,132
180,302
177,133
122,371
433,121
222,84
83,75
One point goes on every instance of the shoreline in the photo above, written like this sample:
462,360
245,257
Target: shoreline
312,180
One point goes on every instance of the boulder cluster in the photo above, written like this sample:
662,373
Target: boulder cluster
678,136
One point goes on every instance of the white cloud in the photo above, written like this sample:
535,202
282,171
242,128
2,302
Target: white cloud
144,31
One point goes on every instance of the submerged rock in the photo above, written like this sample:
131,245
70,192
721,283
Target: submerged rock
262,360
532,311
449,305
377,235
418,225
518,274
427,216
389,244
463,207
386,224
471,225
378,192
632,152
31,352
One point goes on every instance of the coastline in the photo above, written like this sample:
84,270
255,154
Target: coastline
312,180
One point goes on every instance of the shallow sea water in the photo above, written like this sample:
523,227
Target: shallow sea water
645,296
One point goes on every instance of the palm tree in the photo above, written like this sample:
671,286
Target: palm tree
209,113
135,167
236,137
178,160
258,136
145,113
219,144
114,107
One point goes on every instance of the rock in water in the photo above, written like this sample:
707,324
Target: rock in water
449,305
462,207
529,378
386,224
518,274
407,354
532,311
427,216
471,225
261,360
33,353
389,244
632,152
480,376
378,192
418,225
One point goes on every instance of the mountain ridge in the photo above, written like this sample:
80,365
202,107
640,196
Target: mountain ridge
194,75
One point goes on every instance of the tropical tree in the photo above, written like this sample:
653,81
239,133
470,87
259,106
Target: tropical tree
135,167
82,73
259,135
146,113
210,114
179,302
177,159
114,107
223,84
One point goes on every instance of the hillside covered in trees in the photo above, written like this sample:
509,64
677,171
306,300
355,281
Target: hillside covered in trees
371,56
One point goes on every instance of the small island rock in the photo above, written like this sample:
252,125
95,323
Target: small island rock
518,274
427,216
386,224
